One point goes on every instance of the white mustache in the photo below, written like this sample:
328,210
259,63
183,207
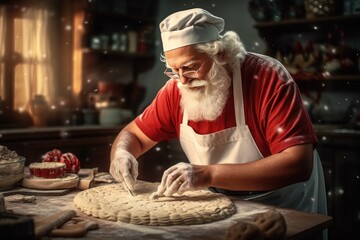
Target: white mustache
193,84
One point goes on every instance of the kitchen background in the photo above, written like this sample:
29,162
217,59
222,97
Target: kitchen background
73,72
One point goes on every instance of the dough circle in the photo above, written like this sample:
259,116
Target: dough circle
112,202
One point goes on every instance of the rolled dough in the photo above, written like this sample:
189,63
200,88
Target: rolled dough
112,202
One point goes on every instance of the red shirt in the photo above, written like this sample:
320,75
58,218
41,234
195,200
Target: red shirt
274,111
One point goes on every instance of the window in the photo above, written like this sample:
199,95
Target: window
27,62
2,53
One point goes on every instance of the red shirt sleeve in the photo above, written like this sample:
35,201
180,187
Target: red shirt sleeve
274,109
160,119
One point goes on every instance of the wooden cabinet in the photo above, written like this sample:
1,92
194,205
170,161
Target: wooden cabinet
340,154
91,144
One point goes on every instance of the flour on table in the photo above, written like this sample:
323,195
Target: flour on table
112,202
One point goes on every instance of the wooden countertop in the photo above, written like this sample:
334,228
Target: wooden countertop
336,130
300,225
16,134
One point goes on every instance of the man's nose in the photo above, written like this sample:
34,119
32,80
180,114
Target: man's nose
184,80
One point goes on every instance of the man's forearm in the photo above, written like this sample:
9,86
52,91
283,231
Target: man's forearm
126,141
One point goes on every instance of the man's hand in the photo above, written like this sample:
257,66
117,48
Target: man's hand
124,167
177,179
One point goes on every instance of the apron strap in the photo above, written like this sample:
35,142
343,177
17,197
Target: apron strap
185,118
238,96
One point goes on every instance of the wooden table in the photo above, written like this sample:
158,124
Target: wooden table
300,225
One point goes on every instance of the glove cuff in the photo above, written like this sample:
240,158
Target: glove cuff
123,152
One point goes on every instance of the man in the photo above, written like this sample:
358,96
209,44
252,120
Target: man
238,115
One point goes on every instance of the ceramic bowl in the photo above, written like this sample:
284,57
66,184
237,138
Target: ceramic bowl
11,172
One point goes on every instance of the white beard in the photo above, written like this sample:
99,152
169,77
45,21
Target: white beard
208,102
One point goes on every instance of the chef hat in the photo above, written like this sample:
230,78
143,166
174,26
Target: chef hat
190,27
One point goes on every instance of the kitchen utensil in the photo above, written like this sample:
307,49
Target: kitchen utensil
44,225
76,227
88,182
128,189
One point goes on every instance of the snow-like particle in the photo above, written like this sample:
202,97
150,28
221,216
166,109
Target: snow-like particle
62,103
340,191
64,134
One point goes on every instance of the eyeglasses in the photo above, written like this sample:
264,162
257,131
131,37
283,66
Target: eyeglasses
188,74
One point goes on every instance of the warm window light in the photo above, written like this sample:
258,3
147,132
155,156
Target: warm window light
32,64
2,52
35,74
77,53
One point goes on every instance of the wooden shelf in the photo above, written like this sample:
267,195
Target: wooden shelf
122,16
333,78
343,78
38,133
306,21
118,54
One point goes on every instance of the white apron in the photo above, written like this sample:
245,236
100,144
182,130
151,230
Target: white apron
236,145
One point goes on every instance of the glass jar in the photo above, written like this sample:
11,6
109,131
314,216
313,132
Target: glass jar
39,110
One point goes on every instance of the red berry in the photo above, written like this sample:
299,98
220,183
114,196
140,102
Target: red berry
52,156
71,161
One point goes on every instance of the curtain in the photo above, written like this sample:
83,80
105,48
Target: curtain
34,75
2,52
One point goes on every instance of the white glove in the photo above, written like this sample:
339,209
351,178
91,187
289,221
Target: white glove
124,167
177,179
